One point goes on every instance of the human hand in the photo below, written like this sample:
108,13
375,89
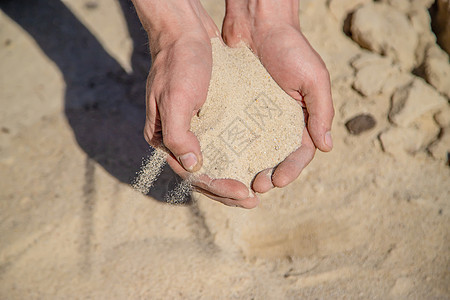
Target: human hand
179,37
272,30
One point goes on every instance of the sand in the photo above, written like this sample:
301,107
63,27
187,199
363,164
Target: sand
152,167
248,123
369,220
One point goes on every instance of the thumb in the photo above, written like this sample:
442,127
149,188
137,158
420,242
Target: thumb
177,137
319,105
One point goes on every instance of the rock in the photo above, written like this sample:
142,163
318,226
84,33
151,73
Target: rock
437,69
372,72
421,21
401,5
408,5
398,140
411,139
427,128
441,148
413,101
367,58
360,123
443,117
397,81
402,288
387,31
441,24
90,5
341,8
421,3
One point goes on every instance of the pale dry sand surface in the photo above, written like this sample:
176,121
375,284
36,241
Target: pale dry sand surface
370,220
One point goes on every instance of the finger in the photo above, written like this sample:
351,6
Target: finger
152,128
232,32
176,114
319,104
288,170
263,181
250,202
208,23
226,188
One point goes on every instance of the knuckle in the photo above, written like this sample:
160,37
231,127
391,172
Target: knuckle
322,74
148,138
181,94
333,112
329,113
281,180
151,136
170,141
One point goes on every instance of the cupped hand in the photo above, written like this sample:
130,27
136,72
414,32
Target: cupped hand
298,69
177,87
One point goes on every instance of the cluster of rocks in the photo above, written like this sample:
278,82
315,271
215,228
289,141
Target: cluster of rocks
405,63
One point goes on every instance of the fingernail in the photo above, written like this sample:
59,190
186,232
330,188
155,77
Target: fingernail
328,139
189,161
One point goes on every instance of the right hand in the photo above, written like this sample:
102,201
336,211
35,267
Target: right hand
179,37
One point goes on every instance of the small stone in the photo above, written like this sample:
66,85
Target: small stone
91,5
360,123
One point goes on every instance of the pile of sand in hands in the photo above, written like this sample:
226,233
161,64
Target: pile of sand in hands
247,124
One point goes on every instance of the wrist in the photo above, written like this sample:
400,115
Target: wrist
251,20
263,12
166,14
167,21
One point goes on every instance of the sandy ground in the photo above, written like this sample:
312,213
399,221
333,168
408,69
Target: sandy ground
370,220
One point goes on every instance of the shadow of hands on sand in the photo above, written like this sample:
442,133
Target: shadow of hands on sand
104,104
